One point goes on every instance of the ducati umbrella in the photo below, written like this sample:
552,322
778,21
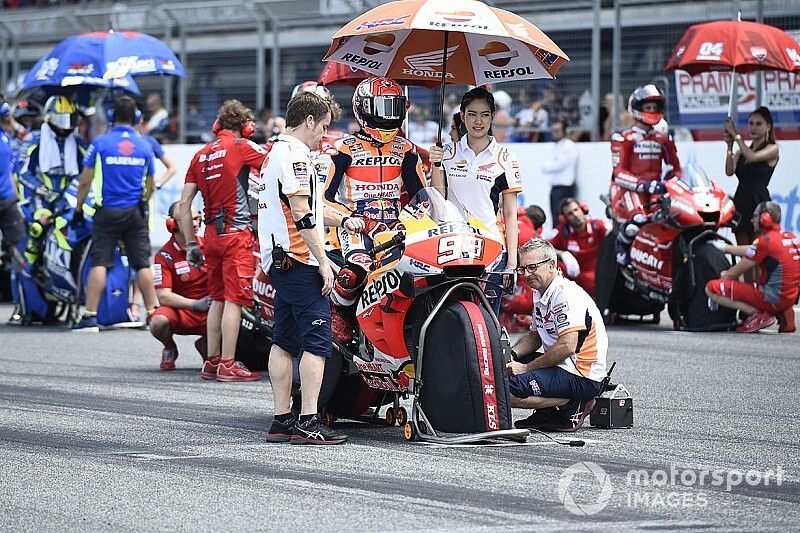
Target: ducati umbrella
734,45
463,42
103,59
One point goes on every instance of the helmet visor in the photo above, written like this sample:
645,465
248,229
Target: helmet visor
384,111
64,121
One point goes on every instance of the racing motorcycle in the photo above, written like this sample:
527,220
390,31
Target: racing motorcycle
51,289
670,258
424,329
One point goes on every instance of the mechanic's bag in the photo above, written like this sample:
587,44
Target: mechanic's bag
465,385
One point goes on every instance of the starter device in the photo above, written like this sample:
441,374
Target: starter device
613,409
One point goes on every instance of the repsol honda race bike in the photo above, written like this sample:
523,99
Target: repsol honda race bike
671,260
424,329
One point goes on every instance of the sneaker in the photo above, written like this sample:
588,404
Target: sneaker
786,320
537,418
168,356
341,326
315,432
569,418
281,431
209,370
757,321
86,324
235,371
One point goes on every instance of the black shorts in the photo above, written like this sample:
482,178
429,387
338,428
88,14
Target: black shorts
127,224
12,225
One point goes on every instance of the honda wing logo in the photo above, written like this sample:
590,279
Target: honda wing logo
429,60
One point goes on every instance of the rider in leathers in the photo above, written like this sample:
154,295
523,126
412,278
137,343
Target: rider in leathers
366,177
638,156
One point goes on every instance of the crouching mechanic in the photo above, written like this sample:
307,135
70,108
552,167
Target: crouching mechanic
561,383
182,292
777,252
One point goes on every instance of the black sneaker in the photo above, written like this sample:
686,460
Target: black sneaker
281,431
315,432
537,418
566,418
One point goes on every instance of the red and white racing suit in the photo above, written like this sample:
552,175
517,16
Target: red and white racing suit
637,158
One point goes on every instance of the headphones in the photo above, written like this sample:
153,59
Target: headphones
137,116
170,222
765,220
248,128
583,205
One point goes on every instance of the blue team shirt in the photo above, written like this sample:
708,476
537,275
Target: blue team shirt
7,159
158,150
121,160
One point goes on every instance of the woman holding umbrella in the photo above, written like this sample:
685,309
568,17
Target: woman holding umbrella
480,176
753,166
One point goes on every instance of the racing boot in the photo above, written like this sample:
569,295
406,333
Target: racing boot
786,320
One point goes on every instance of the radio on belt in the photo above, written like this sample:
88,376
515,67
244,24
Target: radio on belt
614,407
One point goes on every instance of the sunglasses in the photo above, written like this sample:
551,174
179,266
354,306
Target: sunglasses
531,268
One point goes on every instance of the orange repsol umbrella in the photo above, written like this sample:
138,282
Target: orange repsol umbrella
464,42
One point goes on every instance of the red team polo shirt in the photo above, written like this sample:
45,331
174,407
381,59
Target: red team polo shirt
778,253
585,247
172,271
221,171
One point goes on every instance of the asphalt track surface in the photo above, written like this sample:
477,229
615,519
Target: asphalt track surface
94,438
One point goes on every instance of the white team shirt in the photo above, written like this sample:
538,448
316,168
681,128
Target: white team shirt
475,182
566,307
287,171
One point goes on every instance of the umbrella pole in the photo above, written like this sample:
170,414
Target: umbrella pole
441,91
731,101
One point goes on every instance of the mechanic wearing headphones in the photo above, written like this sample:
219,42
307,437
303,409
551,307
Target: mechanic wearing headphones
182,291
220,171
577,242
777,252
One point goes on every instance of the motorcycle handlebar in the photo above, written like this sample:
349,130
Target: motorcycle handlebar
397,240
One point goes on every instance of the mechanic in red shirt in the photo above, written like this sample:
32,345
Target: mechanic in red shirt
578,242
640,156
220,171
777,252
182,291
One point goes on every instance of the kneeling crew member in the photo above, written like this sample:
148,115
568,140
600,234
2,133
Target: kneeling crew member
560,384
777,252
182,292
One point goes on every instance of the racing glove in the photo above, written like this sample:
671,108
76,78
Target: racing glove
193,255
202,304
651,187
